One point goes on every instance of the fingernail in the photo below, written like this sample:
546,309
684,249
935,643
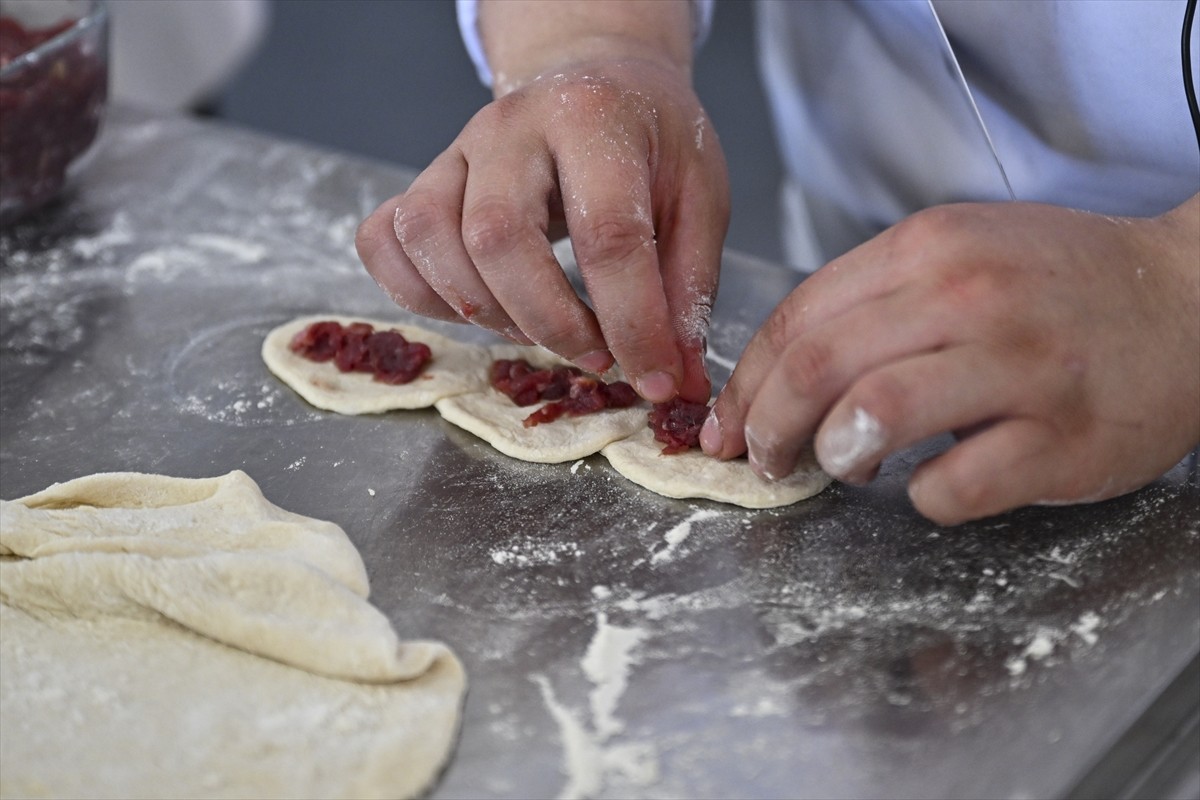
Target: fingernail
843,448
657,387
755,455
710,434
596,361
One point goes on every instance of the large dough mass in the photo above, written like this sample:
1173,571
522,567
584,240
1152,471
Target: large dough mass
165,637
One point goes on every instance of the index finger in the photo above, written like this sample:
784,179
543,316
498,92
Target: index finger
834,290
608,208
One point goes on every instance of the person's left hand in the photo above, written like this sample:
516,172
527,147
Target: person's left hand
1061,347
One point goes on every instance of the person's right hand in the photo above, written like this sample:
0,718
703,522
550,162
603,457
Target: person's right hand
622,152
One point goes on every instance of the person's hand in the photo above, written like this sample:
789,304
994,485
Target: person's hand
615,144
1061,347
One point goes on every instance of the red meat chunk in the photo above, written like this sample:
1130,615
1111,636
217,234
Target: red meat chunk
677,424
358,347
570,390
50,110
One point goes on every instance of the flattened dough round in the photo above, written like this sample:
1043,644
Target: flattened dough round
167,637
456,368
493,417
694,474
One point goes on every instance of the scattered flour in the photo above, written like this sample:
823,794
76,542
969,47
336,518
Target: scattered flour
1085,628
1046,640
532,552
589,759
244,250
606,665
677,535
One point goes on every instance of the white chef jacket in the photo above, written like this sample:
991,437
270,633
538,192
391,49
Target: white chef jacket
1083,100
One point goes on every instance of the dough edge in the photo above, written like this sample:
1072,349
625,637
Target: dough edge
456,368
692,474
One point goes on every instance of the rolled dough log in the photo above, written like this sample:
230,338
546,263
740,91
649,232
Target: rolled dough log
455,368
165,637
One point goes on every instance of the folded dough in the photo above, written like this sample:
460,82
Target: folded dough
166,637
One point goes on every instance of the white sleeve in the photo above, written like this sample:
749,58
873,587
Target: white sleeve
468,26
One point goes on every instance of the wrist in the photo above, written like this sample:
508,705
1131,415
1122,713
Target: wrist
524,39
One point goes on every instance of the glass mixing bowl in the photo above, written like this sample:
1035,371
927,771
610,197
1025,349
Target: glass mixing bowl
53,92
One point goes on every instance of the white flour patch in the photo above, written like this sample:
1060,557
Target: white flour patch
677,535
1085,628
1056,556
606,665
242,249
589,760
1041,645
118,233
845,447
530,553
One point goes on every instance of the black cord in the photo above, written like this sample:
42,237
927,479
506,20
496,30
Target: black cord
1189,15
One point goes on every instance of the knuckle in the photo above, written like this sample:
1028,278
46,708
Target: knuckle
420,299
609,240
557,337
591,97
932,224
962,496
635,341
501,114
418,218
930,240
806,366
783,326
491,229
366,240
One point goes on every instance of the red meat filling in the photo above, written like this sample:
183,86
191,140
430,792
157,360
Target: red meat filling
358,347
50,111
677,424
571,392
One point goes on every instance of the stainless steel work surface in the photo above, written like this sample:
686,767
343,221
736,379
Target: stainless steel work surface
618,643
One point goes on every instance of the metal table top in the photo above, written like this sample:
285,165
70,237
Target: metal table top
618,643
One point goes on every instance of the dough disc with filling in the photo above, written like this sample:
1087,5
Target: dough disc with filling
454,369
166,637
497,420
694,474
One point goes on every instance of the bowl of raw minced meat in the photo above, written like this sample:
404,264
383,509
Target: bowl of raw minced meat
53,92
